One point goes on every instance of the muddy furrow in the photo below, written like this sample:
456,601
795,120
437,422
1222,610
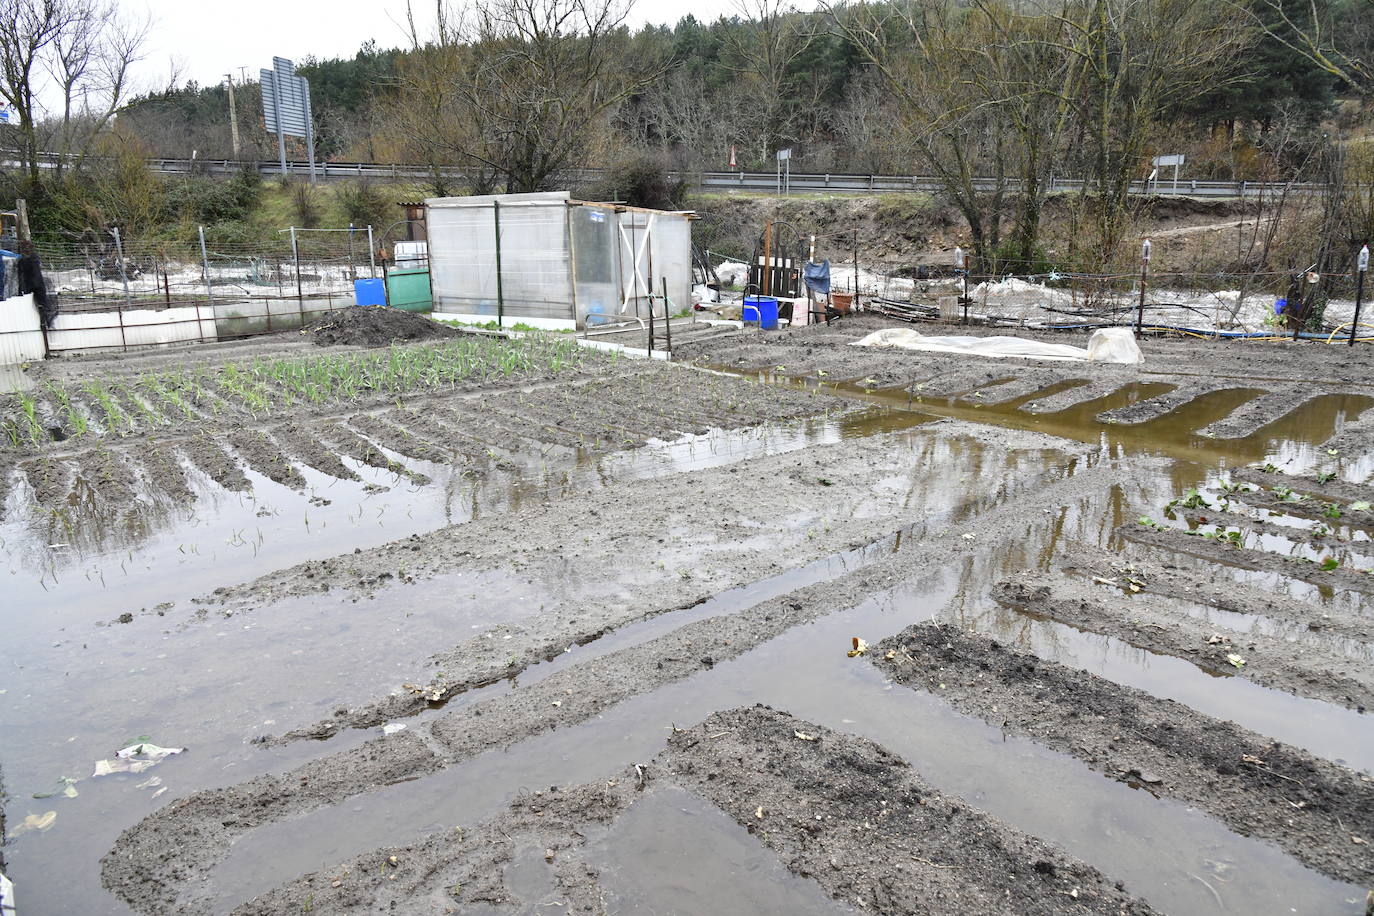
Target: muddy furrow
380,429
1319,537
821,809
162,469
1320,813
147,868
448,430
300,443
1149,622
49,479
1335,491
1315,509
854,817
155,850
588,612
466,867
1156,576
210,458
1151,408
1029,386
1356,438
348,443
1095,388
266,457
1252,416
1219,551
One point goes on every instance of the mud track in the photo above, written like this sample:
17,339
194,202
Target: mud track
1319,812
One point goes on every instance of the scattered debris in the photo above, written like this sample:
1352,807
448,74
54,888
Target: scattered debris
135,759
860,647
33,822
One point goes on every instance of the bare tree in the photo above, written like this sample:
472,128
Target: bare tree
78,50
763,50
520,89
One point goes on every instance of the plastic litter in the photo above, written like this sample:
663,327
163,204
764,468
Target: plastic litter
1107,345
135,759
33,822
392,728
66,787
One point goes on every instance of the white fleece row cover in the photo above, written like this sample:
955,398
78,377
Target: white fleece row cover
1107,345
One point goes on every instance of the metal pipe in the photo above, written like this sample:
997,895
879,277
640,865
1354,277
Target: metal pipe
371,253
1144,278
352,274
123,276
667,319
296,256
500,292
1362,267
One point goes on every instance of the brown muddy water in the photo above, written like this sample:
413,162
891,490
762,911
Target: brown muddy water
74,688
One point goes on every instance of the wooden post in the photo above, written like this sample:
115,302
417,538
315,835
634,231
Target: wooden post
21,218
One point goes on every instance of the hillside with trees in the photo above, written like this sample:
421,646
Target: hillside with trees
514,94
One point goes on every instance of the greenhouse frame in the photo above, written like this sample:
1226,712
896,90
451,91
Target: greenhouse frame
549,261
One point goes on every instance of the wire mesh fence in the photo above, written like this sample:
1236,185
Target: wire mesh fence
118,293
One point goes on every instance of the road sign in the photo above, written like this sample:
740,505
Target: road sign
1174,159
8,115
286,108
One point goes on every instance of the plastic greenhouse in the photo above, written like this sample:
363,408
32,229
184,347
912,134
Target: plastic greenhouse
549,261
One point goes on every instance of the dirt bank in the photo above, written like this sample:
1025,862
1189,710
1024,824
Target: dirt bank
1321,813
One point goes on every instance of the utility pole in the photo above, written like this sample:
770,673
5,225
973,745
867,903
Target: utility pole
233,116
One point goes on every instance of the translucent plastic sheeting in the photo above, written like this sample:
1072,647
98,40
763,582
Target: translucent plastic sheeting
594,235
536,275
560,259
1107,345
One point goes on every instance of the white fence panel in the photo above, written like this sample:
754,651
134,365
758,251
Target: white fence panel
140,328
21,335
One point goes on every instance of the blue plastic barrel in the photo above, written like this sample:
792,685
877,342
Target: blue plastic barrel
369,292
760,310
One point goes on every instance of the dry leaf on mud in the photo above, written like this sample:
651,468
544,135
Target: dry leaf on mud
1358,840
860,647
891,654
1251,758
804,736
758,812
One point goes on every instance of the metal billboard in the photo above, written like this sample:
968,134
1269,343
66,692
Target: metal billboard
286,108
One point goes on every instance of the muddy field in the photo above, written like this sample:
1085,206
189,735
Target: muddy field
363,622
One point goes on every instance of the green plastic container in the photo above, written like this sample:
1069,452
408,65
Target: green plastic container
409,290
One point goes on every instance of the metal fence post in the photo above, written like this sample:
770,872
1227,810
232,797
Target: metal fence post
1361,268
500,293
371,254
209,294
296,256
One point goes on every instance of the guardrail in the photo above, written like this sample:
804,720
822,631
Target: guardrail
843,183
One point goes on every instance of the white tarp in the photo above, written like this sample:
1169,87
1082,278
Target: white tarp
1107,345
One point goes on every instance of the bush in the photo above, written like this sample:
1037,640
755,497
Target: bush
305,204
206,200
642,180
363,203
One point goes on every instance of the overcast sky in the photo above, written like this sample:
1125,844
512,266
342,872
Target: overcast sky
208,41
